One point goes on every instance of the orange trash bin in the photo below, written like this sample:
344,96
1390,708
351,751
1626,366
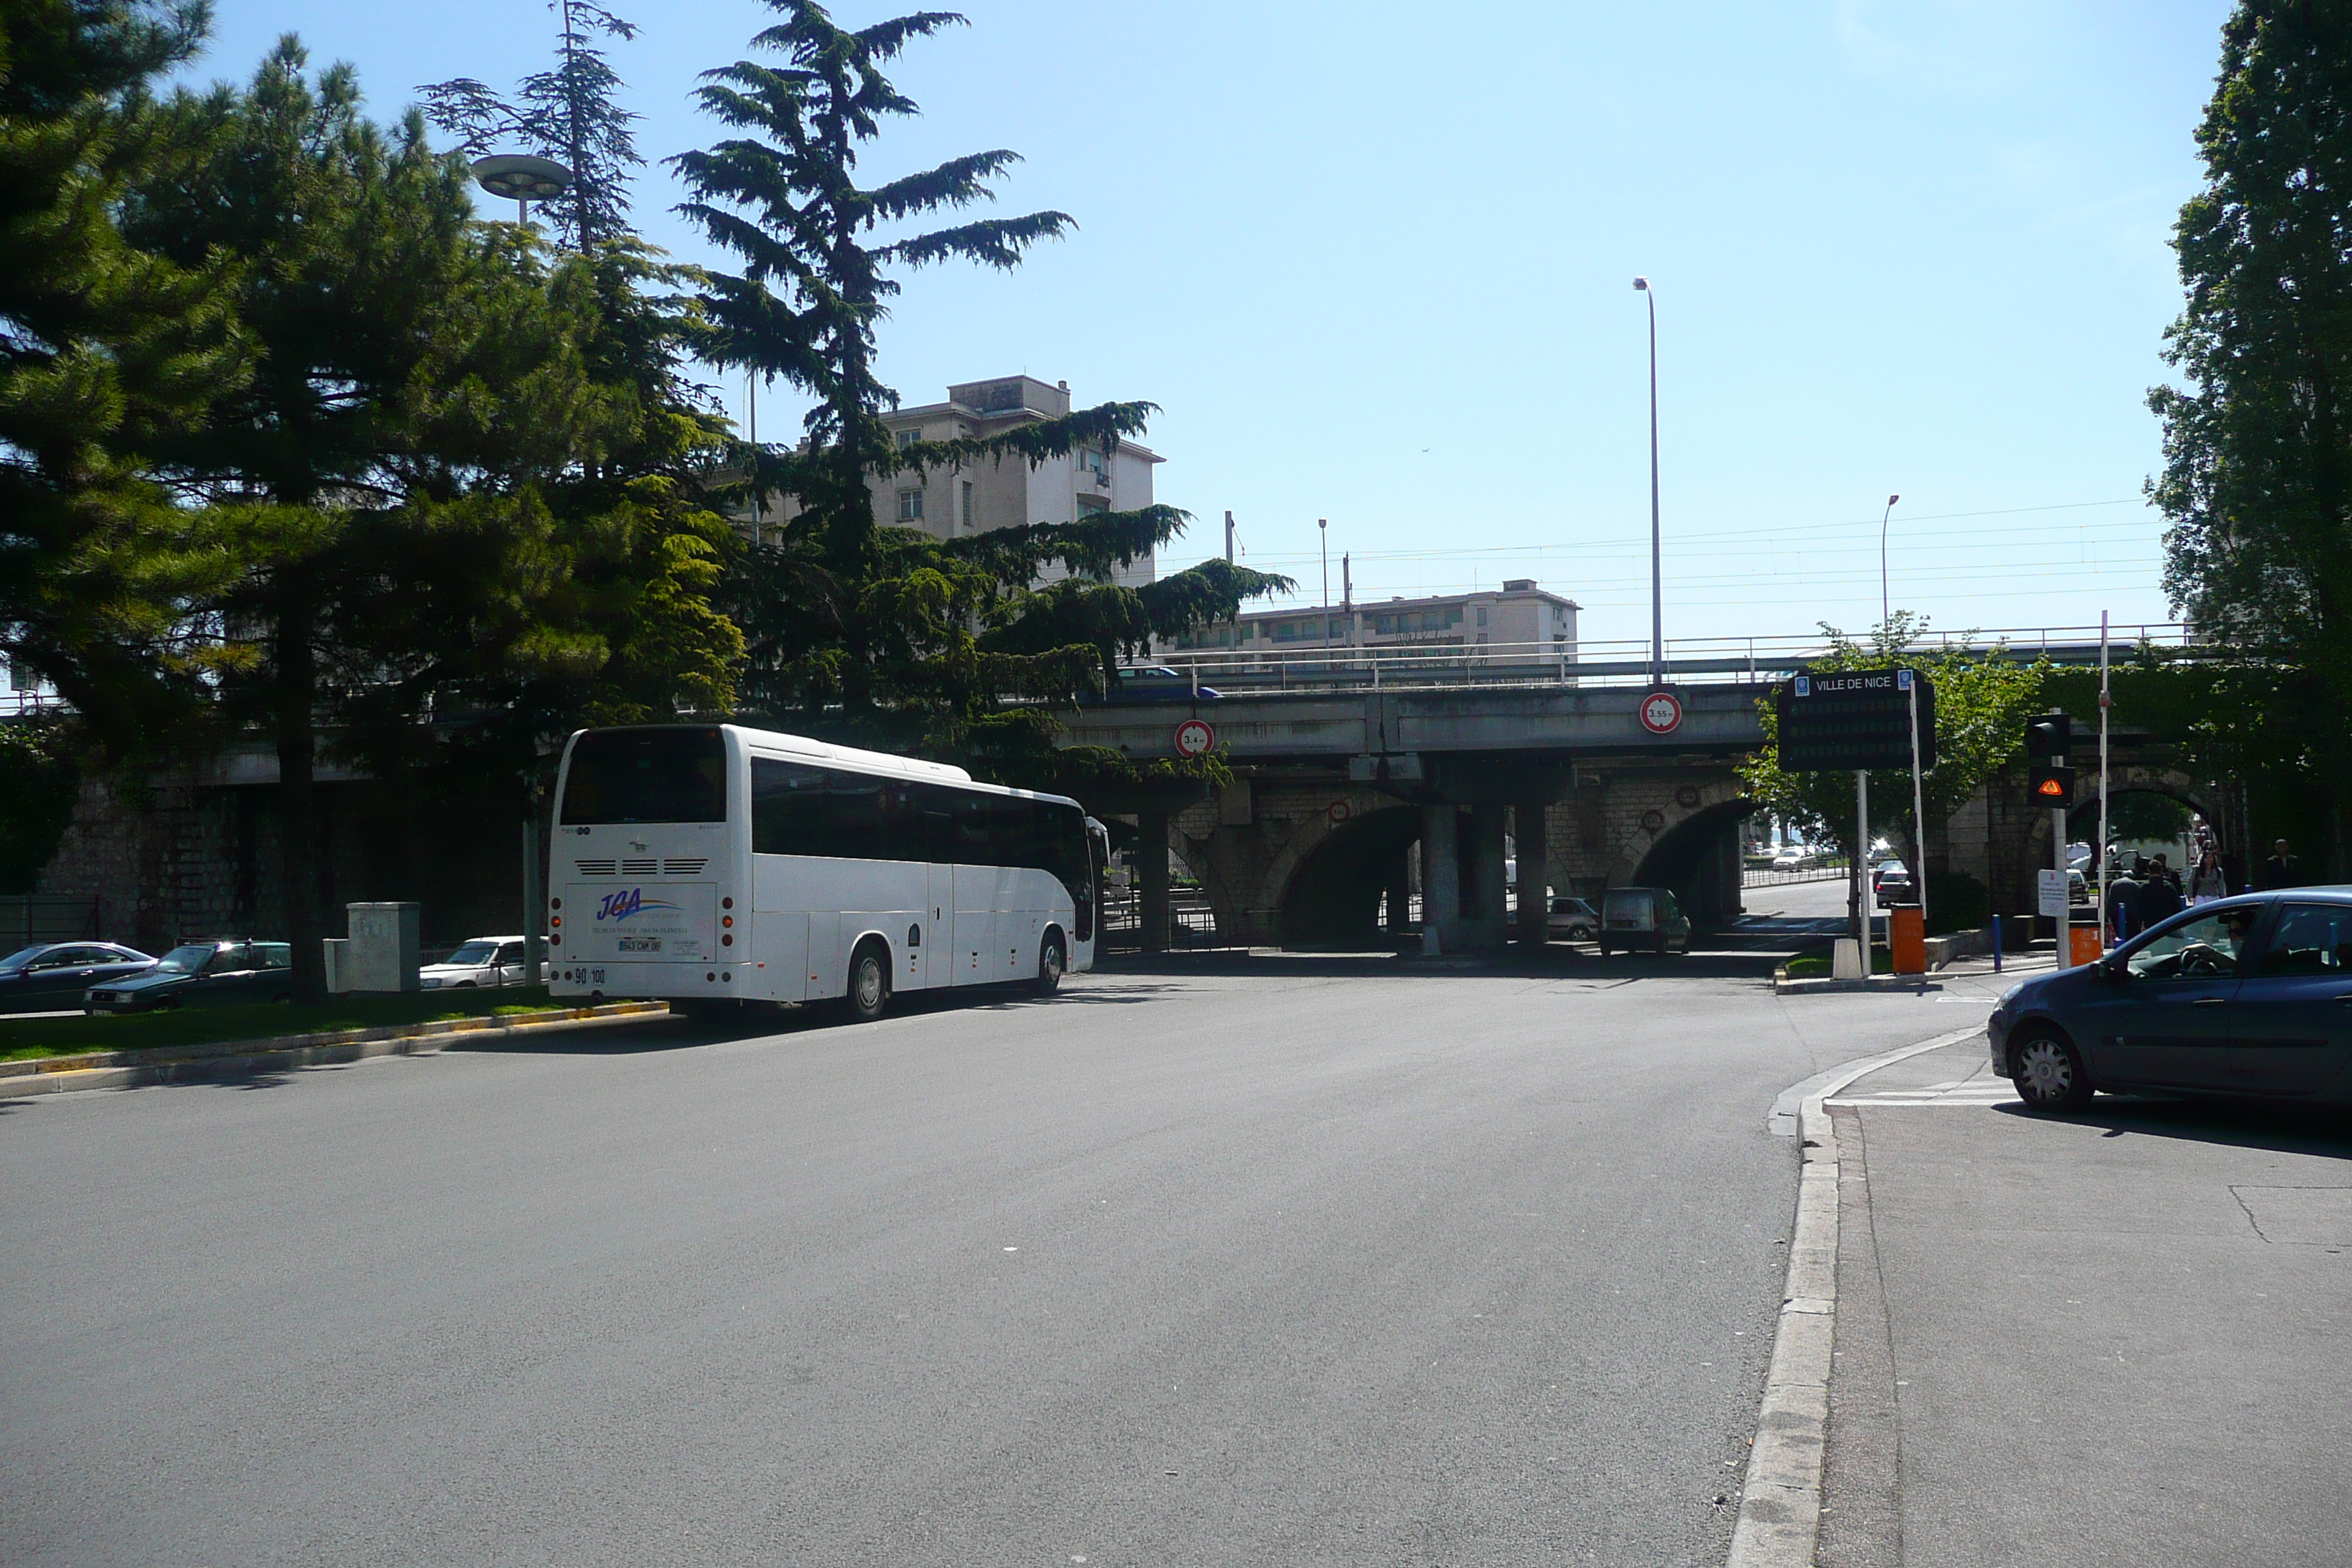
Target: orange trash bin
2082,944
1907,934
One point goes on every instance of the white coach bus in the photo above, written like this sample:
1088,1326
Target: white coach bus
708,863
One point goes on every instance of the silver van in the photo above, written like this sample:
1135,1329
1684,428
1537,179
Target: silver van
1643,918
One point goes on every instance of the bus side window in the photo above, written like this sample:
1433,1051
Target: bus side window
788,809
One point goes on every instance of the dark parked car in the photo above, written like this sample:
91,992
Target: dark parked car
218,974
1158,683
2250,997
50,974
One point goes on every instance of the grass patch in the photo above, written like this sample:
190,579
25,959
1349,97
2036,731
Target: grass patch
1820,967
25,1038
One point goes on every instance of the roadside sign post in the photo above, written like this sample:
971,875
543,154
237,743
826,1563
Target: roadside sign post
1908,681
1861,720
2105,700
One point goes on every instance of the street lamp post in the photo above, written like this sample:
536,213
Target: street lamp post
522,177
1657,597
1323,537
1884,614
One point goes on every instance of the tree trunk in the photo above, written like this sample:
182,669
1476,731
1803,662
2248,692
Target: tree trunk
297,798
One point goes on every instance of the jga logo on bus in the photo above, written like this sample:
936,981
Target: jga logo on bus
630,901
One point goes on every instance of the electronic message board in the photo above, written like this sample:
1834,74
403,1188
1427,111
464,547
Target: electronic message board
1854,718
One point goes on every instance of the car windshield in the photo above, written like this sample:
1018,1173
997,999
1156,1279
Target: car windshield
474,952
2207,947
23,956
186,960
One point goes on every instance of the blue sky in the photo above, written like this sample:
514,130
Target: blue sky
1374,262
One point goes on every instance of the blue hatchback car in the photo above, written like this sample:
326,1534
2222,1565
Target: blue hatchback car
2250,997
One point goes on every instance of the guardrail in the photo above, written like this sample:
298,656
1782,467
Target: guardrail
1737,661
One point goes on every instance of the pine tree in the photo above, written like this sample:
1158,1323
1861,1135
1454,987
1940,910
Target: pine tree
2257,479
443,475
104,348
906,639
571,114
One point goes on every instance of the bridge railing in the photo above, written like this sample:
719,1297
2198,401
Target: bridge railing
1319,667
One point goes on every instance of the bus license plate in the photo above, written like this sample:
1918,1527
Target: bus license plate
641,944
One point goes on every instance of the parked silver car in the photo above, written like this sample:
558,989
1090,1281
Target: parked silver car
482,960
2250,997
1572,920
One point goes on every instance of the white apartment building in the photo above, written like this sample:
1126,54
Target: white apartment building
1519,621
989,495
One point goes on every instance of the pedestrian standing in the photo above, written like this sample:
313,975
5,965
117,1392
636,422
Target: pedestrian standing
2123,888
2206,883
2281,870
2160,897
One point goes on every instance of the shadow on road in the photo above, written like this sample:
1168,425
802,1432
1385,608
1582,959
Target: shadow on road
2277,1126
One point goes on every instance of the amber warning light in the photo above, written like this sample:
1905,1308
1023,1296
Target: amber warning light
2051,786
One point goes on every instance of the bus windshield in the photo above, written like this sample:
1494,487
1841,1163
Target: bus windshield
646,776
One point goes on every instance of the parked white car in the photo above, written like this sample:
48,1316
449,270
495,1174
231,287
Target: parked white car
483,960
1792,857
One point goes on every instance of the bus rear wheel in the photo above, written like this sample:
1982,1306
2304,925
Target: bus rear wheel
869,984
1053,961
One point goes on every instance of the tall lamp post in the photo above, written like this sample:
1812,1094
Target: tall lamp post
524,178
1884,614
1323,538
1657,599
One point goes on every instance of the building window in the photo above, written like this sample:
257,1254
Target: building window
967,503
910,506
1482,615
1091,508
908,438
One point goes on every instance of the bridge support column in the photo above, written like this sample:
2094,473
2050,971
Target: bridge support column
1441,878
1152,875
1535,871
1398,887
1487,878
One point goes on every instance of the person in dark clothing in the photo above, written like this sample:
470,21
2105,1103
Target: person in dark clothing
2123,888
2159,896
2281,870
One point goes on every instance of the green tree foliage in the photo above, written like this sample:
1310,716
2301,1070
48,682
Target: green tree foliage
571,114
902,638
40,778
2257,479
1982,702
105,347
452,483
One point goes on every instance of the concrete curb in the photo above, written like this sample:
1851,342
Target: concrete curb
1780,1500
1784,986
130,1069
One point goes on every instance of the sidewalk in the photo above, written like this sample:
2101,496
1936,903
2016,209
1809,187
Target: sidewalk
2120,1338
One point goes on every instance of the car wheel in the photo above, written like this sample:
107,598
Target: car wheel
1053,959
2048,1074
869,984
465,985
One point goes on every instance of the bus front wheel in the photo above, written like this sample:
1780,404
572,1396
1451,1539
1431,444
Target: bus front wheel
869,983
1053,961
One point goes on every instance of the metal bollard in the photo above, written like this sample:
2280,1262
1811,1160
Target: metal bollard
1996,945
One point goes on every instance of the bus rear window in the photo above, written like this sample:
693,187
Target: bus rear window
646,776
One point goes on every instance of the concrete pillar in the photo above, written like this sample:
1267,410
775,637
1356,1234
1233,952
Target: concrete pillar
1441,882
1151,874
1484,859
1535,871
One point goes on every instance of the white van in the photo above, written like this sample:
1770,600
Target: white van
1643,918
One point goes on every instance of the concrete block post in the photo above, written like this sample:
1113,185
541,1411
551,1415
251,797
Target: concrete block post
1398,886
1535,872
1151,874
1441,878
384,946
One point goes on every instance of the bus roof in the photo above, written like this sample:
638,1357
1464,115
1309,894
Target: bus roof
882,762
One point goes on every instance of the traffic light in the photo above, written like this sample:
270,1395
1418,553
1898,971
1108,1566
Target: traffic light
2048,785
2047,736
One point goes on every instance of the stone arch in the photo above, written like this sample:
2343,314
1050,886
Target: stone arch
1331,893
1699,859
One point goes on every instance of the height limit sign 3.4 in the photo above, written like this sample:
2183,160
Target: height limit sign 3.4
1855,719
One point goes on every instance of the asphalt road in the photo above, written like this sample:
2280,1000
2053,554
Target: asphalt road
1312,1262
